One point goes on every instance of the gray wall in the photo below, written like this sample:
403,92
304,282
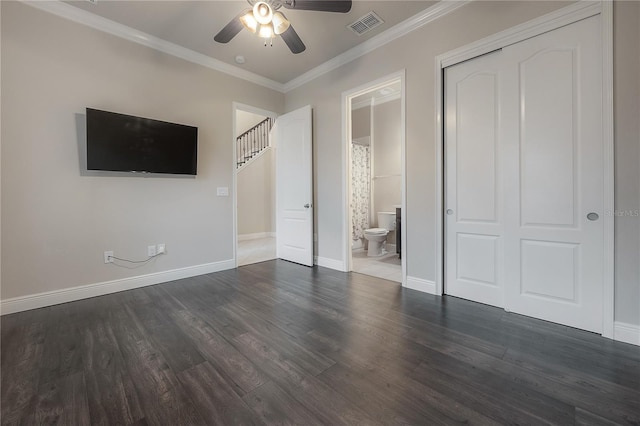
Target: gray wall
246,120
256,195
416,54
626,38
56,223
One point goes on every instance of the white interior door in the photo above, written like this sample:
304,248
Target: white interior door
474,217
554,127
544,154
294,186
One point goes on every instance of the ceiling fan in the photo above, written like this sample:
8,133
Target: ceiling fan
265,19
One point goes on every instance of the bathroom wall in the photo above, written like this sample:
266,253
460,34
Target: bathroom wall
361,122
361,218
387,166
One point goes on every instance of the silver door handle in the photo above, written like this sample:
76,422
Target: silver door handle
306,206
593,216
449,212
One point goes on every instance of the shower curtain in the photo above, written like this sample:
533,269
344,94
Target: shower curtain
360,181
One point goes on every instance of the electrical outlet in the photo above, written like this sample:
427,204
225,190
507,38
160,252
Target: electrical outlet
108,257
161,248
151,251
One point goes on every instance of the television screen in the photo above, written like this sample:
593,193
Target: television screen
123,143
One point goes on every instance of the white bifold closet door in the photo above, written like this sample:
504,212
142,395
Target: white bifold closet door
524,177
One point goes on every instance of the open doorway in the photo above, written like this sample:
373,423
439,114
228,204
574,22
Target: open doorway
254,165
375,179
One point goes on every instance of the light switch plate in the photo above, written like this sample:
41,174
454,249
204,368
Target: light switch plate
223,191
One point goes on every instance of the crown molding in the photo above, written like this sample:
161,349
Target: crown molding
99,23
430,14
561,17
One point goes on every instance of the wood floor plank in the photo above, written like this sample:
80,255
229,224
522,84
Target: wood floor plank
161,396
215,398
464,365
306,389
177,348
111,394
62,356
280,343
22,350
63,402
390,407
276,407
235,367
425,397
488,405
586,418
311,361
200,306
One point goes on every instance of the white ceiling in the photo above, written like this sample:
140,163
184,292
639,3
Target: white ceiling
193,24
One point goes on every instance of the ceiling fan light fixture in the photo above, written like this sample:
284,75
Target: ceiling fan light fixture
262,12
249,21
266,31
280,23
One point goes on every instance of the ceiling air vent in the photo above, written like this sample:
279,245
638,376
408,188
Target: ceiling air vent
366,23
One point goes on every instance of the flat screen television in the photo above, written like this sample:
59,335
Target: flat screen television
124,143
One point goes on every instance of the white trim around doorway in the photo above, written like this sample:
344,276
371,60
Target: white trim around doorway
551,21
347,98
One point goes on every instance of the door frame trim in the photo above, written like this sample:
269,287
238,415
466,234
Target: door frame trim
235,107
347,97
545,23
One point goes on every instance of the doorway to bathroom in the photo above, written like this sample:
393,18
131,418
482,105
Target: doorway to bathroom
374,135
254,164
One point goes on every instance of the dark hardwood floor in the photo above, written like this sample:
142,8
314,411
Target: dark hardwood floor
278,343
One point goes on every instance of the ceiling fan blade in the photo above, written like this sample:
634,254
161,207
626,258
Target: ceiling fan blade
292,39
342,6
230,30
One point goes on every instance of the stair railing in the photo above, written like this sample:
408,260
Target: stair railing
253,141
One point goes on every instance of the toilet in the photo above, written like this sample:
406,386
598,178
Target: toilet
378,236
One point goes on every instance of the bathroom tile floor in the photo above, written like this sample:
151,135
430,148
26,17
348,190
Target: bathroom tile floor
388,266
258,250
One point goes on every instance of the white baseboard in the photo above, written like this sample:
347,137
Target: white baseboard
40,300
337,265
422,285
257,235
628,333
